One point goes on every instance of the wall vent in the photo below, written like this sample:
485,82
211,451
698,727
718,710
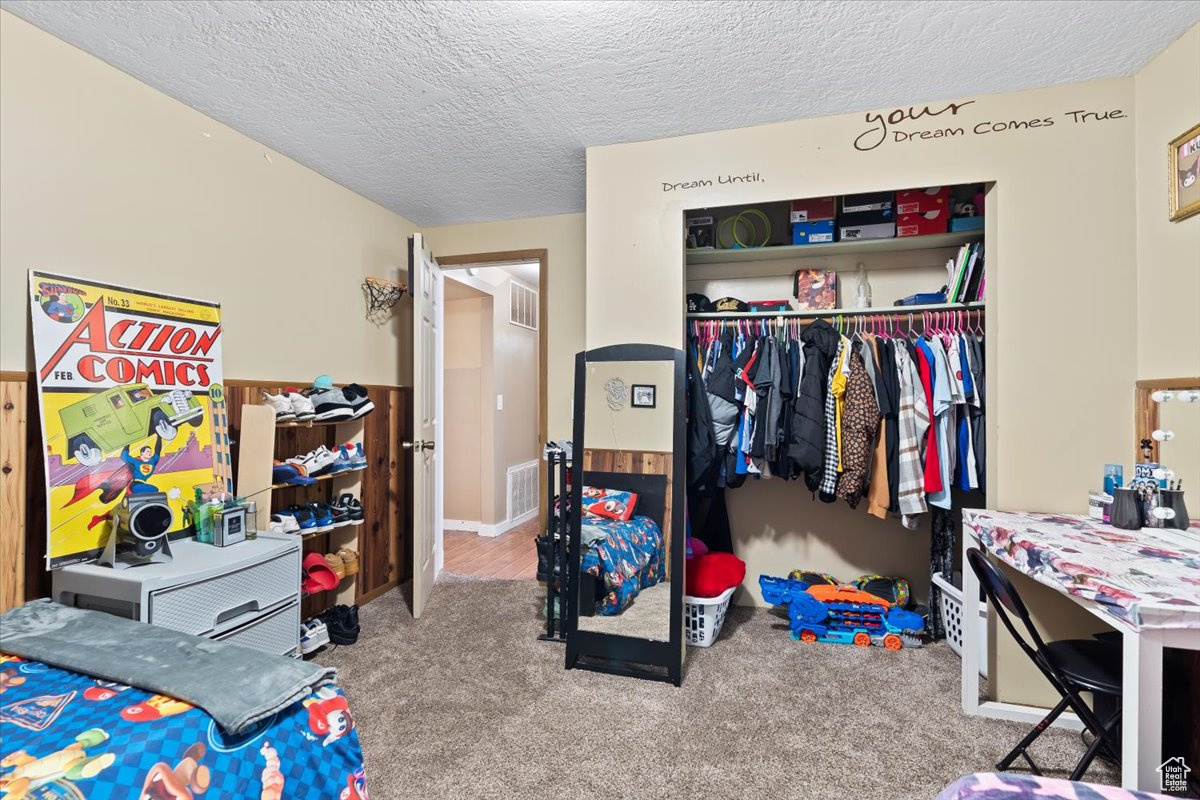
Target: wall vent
522,305
522,491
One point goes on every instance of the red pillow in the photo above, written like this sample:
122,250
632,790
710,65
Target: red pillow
712,573
610,503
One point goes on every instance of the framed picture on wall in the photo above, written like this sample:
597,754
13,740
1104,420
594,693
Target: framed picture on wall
1183,166
644,395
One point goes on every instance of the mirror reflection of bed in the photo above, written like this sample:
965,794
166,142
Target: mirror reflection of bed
625,586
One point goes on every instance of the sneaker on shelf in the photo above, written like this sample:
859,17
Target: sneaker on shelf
323,515
315,462
313,635
349,558
303,518
330,404
341,516
302,407
283,523
358,458
342,623
283,409
349,504
359,399
290,474
336,564
344,461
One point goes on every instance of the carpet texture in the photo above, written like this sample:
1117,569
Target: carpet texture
466,703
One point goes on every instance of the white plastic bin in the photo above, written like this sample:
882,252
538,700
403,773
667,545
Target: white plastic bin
952,618
704,616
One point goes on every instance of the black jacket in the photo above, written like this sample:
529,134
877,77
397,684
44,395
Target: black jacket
807,445
703,460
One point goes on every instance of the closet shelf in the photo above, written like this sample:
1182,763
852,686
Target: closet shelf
833,312
711,255
311,423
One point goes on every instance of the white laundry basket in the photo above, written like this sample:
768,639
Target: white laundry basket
952,619
704,616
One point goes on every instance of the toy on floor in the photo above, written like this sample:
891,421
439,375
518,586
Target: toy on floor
842,614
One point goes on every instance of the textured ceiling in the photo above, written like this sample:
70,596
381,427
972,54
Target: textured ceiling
466,111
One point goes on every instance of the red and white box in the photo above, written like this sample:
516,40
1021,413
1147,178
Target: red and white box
923,224
921,201
814,209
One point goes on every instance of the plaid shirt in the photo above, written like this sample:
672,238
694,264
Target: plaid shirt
829,474
914,425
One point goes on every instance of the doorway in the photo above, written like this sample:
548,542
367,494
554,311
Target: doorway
494,413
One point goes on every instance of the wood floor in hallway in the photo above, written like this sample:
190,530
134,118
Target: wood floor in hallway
509,556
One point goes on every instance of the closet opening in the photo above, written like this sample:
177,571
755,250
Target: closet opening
493,416
889,281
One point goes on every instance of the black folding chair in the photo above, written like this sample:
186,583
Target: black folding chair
1071,665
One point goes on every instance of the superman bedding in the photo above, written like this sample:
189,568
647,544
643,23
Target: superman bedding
626,556
1018,786
66,735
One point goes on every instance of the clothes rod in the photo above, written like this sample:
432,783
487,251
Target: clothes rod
840,312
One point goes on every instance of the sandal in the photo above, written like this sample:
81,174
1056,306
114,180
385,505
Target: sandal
334,560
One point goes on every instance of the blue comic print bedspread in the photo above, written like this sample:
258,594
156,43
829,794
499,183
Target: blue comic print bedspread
66,736
629,557
1016,786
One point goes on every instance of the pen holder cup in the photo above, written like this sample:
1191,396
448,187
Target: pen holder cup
1126,510
1173,500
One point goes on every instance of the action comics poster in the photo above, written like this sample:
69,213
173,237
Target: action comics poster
131,401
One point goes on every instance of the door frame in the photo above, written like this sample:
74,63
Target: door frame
541,256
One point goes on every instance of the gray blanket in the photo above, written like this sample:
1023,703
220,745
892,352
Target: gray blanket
235,685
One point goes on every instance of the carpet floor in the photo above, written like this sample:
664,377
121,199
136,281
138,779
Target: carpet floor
466,703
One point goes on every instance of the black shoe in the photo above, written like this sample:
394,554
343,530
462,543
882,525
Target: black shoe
357,396
342,623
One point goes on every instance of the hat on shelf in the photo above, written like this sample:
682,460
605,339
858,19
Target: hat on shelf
698,304
731,304
323,382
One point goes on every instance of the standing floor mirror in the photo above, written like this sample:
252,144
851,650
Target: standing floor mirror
627,533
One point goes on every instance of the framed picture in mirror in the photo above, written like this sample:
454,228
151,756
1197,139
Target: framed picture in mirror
644,395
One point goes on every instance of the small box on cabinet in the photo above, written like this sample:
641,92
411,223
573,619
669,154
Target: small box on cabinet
817,232
922,224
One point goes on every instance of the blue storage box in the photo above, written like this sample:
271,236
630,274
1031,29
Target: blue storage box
966,224
816,232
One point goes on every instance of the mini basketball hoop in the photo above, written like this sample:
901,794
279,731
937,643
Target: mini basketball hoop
382,294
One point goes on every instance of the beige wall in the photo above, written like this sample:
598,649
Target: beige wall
1167,103
563,237
102,176
629,428
463,408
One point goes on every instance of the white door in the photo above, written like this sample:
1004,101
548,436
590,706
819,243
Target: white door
425,284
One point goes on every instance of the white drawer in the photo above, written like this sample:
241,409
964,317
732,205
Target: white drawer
278,633
221,603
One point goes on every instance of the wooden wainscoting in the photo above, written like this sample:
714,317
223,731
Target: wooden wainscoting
384,538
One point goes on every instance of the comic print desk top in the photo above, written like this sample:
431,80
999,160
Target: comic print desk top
66,736
1144,579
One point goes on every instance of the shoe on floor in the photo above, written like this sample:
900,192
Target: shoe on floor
342,622
313,635
278,402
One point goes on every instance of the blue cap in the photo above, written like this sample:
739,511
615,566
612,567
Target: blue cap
323,382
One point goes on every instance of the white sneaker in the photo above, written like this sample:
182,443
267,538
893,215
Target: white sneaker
315,462
283,523
301,406
283,408
313,634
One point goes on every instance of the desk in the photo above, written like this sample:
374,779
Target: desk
1145,584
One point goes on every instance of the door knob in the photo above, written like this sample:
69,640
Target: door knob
412,445
426,445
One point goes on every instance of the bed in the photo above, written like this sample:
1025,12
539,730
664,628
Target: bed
68,734
1018,786
622,558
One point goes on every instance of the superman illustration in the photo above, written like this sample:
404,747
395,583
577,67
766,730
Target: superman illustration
133,477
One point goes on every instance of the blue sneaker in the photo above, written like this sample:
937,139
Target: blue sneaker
358,458
322,515
344,460
303,517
